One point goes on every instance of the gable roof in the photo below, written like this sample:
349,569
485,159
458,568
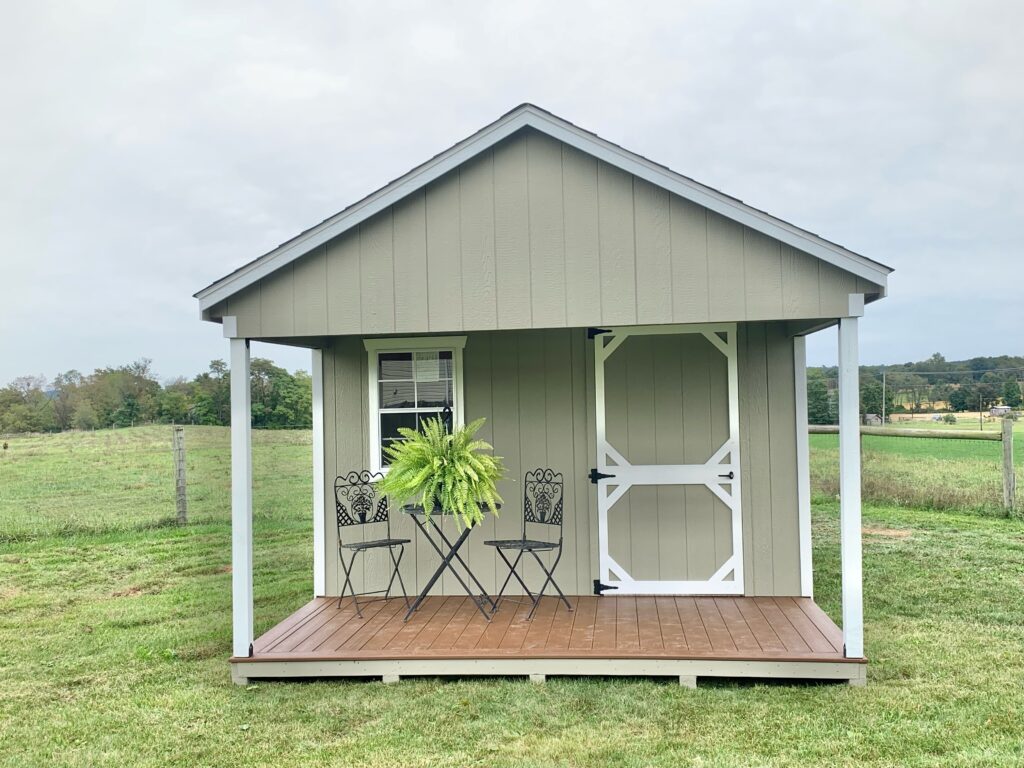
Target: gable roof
530,116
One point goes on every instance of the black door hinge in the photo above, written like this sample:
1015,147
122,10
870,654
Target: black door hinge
592,332
600,589
595,476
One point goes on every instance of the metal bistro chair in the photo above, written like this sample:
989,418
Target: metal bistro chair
542,505
357,503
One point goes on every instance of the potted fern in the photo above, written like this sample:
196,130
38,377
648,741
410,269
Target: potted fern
448,472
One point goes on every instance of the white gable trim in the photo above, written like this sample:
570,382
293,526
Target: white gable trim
536,118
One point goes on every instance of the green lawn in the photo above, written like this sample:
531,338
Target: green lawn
964,475
115,629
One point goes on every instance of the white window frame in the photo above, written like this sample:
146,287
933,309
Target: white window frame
453,344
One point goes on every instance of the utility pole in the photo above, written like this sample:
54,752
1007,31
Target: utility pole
883,397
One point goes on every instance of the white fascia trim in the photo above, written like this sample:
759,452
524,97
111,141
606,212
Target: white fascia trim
529,116
455,343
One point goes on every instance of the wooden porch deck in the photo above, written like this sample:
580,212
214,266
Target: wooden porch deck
688,637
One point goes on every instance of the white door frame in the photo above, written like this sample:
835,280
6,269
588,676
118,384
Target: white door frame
712,474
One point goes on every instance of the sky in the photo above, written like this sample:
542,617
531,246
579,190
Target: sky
147,149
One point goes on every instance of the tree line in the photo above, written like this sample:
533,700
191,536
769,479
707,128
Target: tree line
131,394
931,385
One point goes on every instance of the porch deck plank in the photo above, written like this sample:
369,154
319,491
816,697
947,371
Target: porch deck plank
409,629
384,616
561,627
386,634
673,636
807,630
821,620
456,625
332,634
627,629
275,633
714,625
492,635
515,634
540,626
741,631
648,624
604,625
430,631
697,639
784,629
582,636
472,632
787,633
300,633
763,630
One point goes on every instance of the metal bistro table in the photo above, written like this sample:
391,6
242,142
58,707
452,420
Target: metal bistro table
424,523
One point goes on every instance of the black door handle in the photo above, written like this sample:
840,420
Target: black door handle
730,475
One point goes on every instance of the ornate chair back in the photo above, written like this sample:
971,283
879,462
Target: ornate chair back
358,502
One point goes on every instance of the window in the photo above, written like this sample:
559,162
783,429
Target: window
411,380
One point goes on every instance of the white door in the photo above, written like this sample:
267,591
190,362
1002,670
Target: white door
668,464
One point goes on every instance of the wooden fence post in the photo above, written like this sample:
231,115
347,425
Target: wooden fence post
1009,479
181,500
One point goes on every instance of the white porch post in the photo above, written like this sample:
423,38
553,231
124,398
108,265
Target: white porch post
849,487
241,499
319,537
803,466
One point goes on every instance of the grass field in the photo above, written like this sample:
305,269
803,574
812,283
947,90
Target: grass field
964,475
115,628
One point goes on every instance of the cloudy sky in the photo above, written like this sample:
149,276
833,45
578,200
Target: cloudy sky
146,149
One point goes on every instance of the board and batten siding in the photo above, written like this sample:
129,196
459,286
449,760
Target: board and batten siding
535,388
536,234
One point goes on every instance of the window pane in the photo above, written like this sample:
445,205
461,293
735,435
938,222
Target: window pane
395,365
396,394
390,422
435,394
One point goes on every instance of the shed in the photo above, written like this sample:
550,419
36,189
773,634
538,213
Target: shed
641,332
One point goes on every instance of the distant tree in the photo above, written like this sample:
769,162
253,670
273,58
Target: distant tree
280,400
125,395
211,396
986,395
963,398
127,413
25,406
1012,394
940,393
818,410
84,416
871,398
64,394
173,404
